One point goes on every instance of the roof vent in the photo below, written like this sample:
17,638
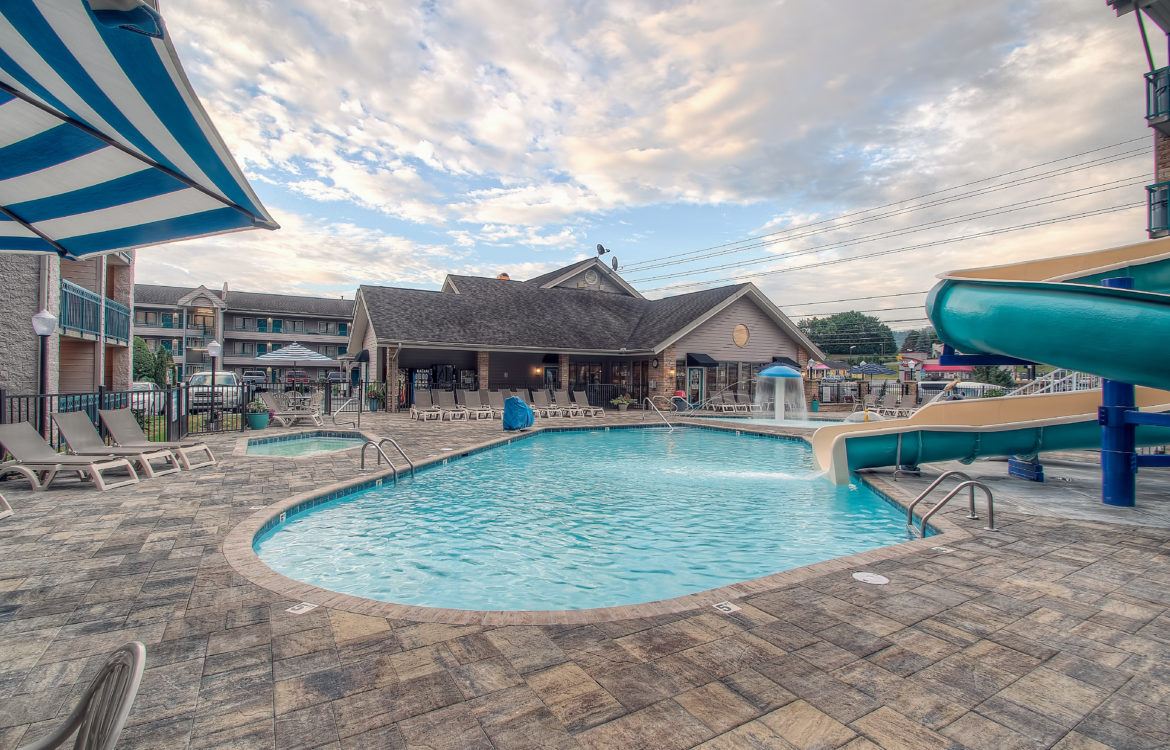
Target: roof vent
503,276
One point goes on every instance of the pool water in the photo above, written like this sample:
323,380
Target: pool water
572,520
311,445
807,423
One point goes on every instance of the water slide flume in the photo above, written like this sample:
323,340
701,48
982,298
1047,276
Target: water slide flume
1051,311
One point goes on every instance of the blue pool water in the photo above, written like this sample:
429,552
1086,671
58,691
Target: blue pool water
584,519
309,445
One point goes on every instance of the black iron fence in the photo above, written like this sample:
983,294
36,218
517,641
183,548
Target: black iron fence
164,414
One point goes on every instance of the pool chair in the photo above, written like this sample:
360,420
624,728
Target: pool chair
96,722
568,409
495,400
31,452
445,401
288,416
485,398
83,439
470,401
124,429
744,402
422,408
541,404
582,402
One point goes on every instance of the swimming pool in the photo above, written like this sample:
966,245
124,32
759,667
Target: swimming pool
582,519
805,423
304,444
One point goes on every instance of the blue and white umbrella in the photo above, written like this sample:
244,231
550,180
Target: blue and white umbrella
103,144
294,354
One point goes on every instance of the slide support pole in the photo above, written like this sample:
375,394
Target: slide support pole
1118,444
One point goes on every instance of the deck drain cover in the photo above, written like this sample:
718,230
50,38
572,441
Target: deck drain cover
302,608
874,578
725,607
942,549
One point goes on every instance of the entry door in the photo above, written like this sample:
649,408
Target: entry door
696,377
552,377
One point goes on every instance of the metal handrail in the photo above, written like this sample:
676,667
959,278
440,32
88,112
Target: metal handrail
922,495
341,408
398,448
382,454
655,408
972,485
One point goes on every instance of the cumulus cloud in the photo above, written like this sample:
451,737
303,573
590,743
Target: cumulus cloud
428,136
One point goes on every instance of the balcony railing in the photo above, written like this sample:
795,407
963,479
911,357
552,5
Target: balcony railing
81,309
117,320
1158,99
1158,201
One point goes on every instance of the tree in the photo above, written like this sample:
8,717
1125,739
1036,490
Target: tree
850,333
148,365
992,374
920,340
910,343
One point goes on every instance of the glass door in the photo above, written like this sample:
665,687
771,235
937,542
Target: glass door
695,380
552,377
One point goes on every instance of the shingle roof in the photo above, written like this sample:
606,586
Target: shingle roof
547,277
155,294
518,314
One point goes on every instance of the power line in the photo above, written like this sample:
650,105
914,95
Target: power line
913,229
851,299
907,248
873,310
643,265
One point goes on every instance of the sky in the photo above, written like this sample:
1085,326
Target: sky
398,142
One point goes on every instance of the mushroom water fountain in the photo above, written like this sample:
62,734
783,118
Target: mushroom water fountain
784,385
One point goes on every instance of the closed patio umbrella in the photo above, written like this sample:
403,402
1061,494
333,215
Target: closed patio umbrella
104,146
292,355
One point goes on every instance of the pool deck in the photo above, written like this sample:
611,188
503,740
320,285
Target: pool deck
1052,632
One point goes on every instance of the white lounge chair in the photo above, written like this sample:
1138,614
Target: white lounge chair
470,401
421,407
566,405
542,406
495,400
32,452
582,403
124,429
445,401
83,439
287,416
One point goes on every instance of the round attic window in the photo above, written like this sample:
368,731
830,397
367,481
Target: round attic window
740,335
591,277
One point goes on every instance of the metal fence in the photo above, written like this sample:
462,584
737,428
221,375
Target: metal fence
165,414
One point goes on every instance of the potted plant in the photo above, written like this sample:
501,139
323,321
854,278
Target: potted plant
376,394
622,402
257,415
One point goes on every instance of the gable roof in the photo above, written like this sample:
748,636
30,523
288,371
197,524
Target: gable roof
522,315
157,294
560,275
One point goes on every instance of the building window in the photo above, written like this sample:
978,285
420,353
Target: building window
322,327
298,326
341,349
343,329
740,335
146,318
262,325
261,348
168,320
277,325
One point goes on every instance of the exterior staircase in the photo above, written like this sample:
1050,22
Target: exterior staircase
1059,381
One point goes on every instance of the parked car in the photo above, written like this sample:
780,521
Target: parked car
296,377
228,387
335,377
255,377
145,396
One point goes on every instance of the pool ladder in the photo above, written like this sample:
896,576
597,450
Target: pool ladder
382,455
655,408
965,483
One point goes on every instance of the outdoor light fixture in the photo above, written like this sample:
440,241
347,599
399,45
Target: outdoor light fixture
44,323
214,349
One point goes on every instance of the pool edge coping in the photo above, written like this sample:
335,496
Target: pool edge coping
238,551
240,448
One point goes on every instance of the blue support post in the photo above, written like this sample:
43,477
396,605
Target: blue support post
1118,444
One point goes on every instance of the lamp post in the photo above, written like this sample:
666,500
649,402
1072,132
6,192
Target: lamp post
214,349
43,323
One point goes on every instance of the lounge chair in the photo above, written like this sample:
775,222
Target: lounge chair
288,416
495,400
470,401
445,401
84,440
421,407
582,403
485,398
124,429
100,715
745,403
542,406
32,452
566,405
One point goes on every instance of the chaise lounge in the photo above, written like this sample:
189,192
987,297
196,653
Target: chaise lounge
124,429
31,452
288,416
583,404
83,439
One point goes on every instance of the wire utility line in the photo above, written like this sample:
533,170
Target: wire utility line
891,233
907,248
850,299
1076,167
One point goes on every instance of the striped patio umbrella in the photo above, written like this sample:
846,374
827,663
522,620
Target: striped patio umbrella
292,355
103,144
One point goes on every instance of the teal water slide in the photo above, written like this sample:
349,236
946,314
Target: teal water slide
1052,311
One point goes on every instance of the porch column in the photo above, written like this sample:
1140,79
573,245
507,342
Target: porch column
483,362
392,381
563,370
661,376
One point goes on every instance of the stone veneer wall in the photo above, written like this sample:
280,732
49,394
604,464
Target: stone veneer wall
20,280
663,380
1161,157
